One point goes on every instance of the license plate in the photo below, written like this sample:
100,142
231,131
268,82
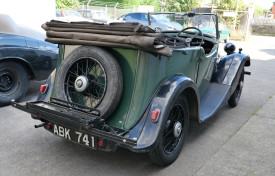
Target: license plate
75,136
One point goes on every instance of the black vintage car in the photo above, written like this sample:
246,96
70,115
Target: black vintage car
21,59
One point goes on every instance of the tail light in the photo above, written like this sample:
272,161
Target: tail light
155,115
48,126
43,88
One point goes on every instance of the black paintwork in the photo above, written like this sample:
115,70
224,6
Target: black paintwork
215,96
146,131
51,113
228,68
38,56
223,83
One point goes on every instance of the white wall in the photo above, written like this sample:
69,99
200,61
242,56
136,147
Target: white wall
29,13
145,8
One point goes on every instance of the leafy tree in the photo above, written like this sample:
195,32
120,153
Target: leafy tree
154,3
180,5
259,11
67,4
230,5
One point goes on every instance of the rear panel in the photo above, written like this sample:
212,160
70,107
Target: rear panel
143,73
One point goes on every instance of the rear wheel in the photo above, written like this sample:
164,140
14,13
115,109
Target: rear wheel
14,82
90,76
235,97
173,134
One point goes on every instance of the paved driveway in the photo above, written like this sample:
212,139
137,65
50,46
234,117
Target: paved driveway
28,151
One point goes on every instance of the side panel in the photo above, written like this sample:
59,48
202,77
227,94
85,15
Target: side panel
142,74
182,63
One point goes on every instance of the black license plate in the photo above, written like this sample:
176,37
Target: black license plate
72,135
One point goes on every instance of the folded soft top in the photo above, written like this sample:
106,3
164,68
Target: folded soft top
124,35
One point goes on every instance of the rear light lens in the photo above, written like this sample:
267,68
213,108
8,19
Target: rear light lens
44,88
155,115
100,143
48,125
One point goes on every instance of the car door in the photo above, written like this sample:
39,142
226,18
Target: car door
144,18
205,71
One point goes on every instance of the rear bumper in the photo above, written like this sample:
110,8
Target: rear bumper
83,122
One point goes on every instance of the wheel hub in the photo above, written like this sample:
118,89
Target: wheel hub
177,129
6,81
81,83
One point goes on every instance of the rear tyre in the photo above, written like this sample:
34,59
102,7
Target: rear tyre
92,77
235,97
173,133
14,82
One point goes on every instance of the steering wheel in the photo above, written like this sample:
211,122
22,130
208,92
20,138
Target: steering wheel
189,40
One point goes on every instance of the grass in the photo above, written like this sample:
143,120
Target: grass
256,111
264,33
237,35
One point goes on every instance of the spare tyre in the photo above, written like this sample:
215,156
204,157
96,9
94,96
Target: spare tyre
92,77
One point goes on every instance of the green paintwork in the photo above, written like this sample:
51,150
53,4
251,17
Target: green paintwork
59,61
144,72
224,35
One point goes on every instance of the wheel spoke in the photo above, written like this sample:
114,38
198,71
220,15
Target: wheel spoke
92,95
169,140
167,144
169,132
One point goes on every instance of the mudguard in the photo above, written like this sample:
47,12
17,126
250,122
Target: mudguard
146,132
229,68
21,61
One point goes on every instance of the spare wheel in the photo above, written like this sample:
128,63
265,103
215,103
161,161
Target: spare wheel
92,77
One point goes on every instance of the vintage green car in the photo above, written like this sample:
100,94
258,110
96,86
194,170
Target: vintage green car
127,85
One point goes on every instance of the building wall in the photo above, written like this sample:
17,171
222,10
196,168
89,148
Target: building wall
264,26
273,10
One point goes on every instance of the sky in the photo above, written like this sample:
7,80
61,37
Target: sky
265,4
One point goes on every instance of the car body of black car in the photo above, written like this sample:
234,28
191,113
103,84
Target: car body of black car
23,59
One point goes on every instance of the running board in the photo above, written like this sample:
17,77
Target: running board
213,100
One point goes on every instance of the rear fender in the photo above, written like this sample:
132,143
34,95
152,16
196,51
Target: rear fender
146,132
23,62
